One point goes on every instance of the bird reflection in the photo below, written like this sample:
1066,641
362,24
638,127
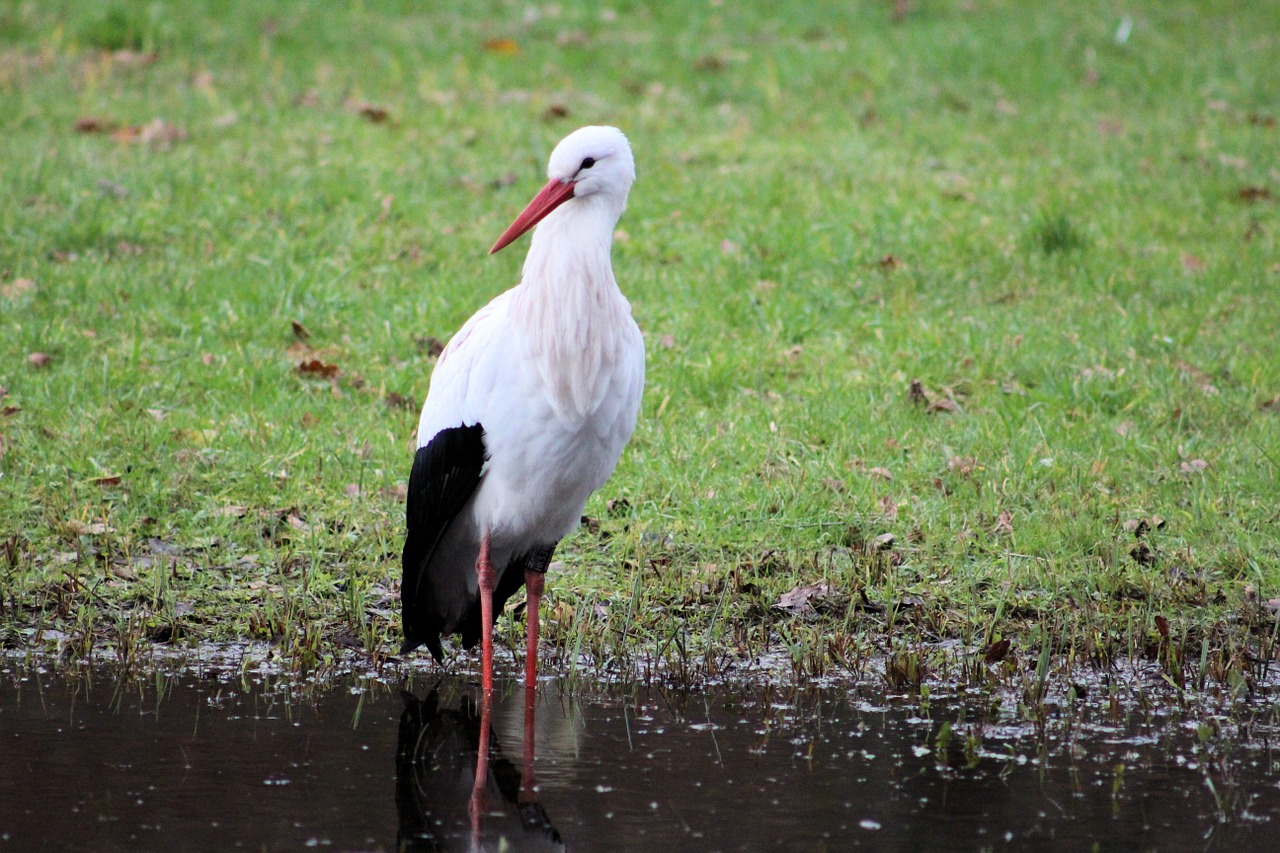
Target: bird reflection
455,787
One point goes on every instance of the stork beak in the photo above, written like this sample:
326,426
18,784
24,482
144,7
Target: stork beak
554,194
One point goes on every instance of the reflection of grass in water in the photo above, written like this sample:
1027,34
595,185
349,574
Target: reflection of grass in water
818,222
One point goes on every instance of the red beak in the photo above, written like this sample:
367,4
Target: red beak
554,194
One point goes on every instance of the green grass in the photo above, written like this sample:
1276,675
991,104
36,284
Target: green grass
1071,240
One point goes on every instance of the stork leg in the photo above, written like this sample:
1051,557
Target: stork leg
477,804
488,581
533,582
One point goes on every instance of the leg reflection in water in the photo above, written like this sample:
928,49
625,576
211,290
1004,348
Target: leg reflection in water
455,787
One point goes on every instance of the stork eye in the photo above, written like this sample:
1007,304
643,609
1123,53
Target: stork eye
587,163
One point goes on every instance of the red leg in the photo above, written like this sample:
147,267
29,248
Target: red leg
477,805
488,580
533,582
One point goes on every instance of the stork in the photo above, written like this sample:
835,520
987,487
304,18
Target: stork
529,407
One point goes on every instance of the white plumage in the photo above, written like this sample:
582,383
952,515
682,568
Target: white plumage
549,376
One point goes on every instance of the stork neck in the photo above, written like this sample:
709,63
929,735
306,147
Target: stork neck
570,248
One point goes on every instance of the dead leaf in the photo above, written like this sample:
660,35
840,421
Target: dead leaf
889,262
834,485
39,359
1194,466
372,112
884,542
316,367
1143,554
943,404
502,46
917,395
1254,194
90,124
395,400
111,480
997,651
16,288
882,473
962,465
295,521
554,112
1004,523
133,58
299,331
10,411
232,511
800,599
888,508
1272,405
429,345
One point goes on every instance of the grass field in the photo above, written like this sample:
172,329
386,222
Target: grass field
961,322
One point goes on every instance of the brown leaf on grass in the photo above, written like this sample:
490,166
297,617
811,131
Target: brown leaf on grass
16,288
399,492
299,331
884,542
395,400
943,404
1251,194
502,46
1262,120
834,484
296,522
10,411
889,262
882,473
1143,554
316,367
110,480
157,132
888,507
917,395
962,465
92,124
1004,523
232,511
554,112
1162,625
1192,263
372,112
429,345
1194,466
39,359
1140,527
799,600
133,58
1272,405
997,651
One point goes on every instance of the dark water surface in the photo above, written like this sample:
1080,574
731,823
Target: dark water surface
221,762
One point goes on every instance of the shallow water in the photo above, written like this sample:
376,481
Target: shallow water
217,762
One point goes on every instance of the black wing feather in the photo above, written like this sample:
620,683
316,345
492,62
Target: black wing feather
446,472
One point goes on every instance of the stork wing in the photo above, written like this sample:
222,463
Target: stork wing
446,472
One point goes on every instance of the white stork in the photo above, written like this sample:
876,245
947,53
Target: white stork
529,407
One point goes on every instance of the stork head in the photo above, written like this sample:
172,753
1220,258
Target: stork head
591,161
